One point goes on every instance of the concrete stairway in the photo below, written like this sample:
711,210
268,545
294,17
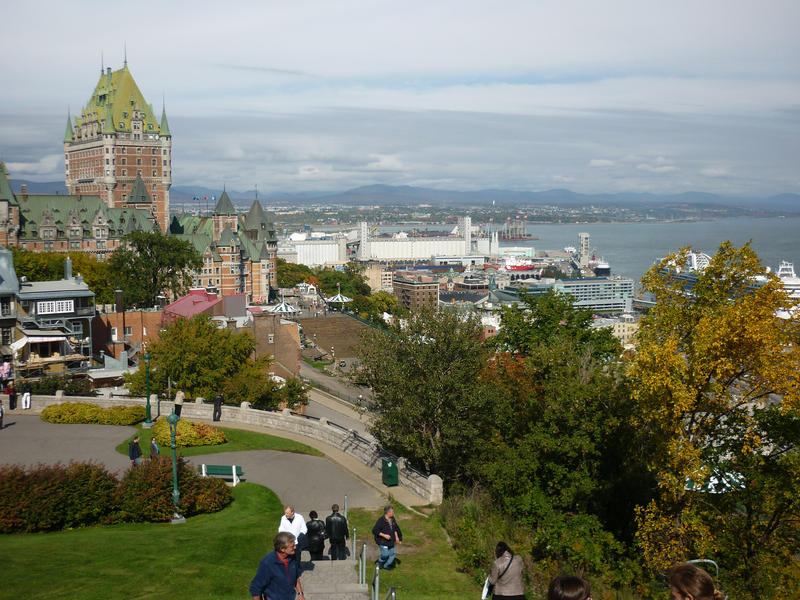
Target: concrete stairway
332,580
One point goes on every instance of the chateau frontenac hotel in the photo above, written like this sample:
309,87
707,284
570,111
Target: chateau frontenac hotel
118,172
117,149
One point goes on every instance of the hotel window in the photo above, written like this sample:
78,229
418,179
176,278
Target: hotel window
139,172
128,330
124,161
138,161
124,172
6,336
113,334
154,172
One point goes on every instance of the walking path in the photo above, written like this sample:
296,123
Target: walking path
308,482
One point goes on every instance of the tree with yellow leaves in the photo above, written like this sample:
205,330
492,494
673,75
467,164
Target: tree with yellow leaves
715,385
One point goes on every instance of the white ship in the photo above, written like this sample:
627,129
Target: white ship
791,282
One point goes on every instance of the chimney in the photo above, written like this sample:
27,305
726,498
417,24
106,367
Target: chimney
120,306
68,268
24,190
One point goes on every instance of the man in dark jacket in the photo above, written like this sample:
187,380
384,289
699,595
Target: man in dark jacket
387,534
278,574
338,533
218,407
135,451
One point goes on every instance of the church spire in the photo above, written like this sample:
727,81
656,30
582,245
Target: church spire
164,125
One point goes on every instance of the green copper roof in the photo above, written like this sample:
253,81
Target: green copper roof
224,205
113,102
6,193
139,193
164,124
68,133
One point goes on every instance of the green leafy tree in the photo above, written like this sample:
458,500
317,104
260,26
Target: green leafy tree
149,264
198,357
428,396
254,385
561,456
294,393
96,274
715,382
38,266
49,266
290,274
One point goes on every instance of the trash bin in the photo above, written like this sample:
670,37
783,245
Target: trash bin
389,472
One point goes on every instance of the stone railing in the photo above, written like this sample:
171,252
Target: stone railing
346,440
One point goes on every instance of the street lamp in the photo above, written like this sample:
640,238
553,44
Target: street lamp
173,419
148,421
333,356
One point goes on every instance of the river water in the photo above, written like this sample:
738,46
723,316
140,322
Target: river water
632,248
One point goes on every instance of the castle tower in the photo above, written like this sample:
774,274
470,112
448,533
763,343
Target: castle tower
118,149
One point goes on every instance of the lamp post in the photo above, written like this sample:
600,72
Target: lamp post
173,419
148,421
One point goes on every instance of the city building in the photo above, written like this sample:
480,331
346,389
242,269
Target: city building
598,294
9,288
415,291
117,149
59,223
378,277
239,251
54,324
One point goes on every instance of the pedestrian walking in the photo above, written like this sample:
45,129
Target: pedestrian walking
154,449
316,536
278,575
387,534
295,524
179,398
338,533
135,451
26,395
1,414
12,396
218,407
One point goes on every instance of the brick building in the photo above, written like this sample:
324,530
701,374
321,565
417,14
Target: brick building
416,290
118,150
239,251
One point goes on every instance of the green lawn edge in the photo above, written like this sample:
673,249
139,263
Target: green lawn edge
238,440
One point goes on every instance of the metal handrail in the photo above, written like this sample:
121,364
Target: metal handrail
362,565
345,506
391,593
376,583
354,542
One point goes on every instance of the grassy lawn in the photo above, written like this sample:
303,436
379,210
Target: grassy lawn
209,557
317,364
238,439
428,563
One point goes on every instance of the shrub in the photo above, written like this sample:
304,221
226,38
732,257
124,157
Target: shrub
188,433
145,492
72,386
85,412
53,497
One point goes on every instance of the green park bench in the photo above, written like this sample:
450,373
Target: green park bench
235,472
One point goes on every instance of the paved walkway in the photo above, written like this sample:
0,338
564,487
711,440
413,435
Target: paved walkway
308,482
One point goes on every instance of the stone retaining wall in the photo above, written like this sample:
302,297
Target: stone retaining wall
348,441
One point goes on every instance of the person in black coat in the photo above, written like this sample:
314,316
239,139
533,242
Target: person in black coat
316,536
338,533
218,407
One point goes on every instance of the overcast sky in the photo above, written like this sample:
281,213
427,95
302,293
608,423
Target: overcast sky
623,95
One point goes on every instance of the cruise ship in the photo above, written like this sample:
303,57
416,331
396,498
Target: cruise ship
791,282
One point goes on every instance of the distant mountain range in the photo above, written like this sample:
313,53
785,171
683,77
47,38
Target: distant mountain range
409,195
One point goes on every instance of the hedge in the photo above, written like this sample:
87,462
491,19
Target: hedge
54,497
84,412
189,433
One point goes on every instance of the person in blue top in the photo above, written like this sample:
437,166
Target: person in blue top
278,575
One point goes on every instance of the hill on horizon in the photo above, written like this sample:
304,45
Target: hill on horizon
381,194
